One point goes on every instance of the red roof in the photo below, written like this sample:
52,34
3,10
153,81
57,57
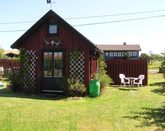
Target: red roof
119,47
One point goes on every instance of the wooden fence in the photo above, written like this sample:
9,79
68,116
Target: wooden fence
131,68
9,64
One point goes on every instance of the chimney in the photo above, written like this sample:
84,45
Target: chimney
124,43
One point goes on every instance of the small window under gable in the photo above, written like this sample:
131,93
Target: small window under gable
53,29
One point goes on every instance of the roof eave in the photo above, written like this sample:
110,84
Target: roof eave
42,20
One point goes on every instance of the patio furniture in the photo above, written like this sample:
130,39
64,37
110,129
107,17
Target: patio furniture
124,81
1,70
131,80
139,81
1,84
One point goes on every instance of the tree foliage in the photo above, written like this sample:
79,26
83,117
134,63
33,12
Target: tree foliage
163,55
162,66
101,75
145,56
1,53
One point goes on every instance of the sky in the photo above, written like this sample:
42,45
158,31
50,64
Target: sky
132,21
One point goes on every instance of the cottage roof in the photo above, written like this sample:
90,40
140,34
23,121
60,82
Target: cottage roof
49,14
119,47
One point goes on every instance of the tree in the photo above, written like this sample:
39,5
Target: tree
1,52
163,55
144,56
101,75
162,66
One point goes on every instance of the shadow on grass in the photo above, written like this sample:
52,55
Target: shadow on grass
161,84
149,117
5,92
128,88
161,89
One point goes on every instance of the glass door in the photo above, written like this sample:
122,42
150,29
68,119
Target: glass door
52,70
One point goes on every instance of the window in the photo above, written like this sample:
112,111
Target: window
135,53
47,64
111,54
58,64
122,54
115,54
53,29
130,53
53,64
106,54
119,54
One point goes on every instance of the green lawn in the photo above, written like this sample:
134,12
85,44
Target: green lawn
154,65
141,109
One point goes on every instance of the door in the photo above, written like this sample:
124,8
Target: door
52,71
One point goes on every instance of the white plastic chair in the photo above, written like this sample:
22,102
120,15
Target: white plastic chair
124,80
1,84
139,81
1,70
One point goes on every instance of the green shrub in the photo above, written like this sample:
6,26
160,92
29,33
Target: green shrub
75,87
162,68
104,79
101,75
14,76
1,53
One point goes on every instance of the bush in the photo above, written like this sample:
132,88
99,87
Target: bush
1,52
101,75
14,76
162,68
75,87
104,79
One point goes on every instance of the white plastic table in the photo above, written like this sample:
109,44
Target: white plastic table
131,79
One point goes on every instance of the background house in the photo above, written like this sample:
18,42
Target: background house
52,50
11,53
120,51
124,59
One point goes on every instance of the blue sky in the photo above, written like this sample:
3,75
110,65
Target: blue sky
148,33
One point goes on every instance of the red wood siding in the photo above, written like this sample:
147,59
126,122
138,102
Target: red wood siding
10,64
94,66
128,67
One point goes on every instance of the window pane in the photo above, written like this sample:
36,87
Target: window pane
58,64
111,54
122,54
119,54
115,53
130,53
106,54
52,29
47,64
134,53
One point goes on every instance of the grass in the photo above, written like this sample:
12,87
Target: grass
154,65
118,109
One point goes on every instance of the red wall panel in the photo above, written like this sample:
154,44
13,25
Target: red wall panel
131,68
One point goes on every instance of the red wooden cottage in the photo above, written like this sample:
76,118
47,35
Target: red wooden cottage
52,50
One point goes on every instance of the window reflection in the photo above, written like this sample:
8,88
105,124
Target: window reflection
53,64
47,64
58,64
